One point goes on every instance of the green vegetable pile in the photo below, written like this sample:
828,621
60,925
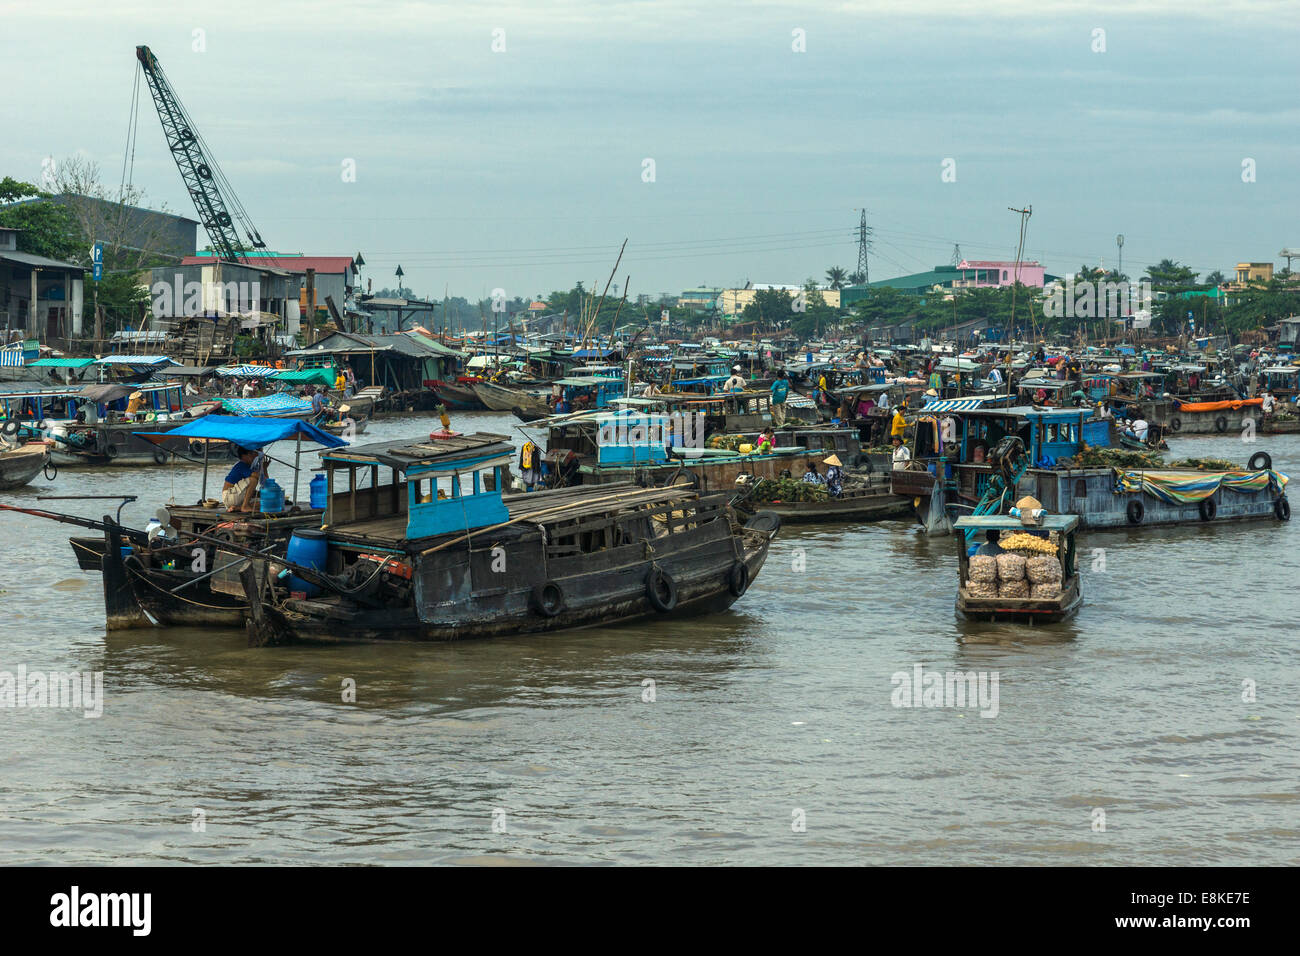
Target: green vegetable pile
1116,458
729,442
1206,464
789,489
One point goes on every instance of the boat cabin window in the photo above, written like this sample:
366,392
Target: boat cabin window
1080,488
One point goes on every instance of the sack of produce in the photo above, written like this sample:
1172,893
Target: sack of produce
1013,589
1011,567
982,589
1048,590
1024,541
983,567
1043,569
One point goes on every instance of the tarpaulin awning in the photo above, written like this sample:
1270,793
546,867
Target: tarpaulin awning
140,361
248,432
307,376
1218,406
268,405
62,363
1180,488
246,371
953,405
106,393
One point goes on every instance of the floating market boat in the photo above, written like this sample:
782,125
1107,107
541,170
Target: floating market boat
187,574
499,398
657,449
865,499
1035,580
440,553
21,463
1067,460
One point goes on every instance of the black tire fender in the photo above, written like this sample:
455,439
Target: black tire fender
548,599
768,522
10,428
1209,508
1175,424
1221,423
160,456
1136,511
661,590
51,470
1282,508
738,578
111,451
1260,461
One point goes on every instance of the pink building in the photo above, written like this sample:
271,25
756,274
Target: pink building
979,274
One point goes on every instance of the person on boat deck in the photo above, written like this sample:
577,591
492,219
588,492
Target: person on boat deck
990,545
812,475
767,440
239,490
834,476
250,389
191,389
1140,428
135,403
780,390
736,383
1267,402
901,455
898,425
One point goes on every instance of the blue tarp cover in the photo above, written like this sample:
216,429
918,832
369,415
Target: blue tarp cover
249,432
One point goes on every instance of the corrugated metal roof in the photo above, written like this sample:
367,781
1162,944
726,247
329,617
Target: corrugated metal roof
328,265
27,259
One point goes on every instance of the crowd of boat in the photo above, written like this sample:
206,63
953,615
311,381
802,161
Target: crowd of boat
643,479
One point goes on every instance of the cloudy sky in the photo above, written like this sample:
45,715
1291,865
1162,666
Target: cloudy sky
525,168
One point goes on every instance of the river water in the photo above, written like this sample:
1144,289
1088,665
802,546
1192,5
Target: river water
769,735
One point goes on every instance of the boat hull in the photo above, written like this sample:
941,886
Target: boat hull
20,466
1025,611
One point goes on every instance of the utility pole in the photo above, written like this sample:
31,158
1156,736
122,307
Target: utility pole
310,286
1020,250
864,243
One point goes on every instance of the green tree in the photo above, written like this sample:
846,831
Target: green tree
46,226
836,277
1168,274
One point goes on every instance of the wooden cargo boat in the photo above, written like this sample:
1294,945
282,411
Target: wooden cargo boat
458,395
439,553
21,464
185,577
872,500
1028,610
499,398
1101,496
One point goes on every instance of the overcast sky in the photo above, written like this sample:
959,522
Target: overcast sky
524,169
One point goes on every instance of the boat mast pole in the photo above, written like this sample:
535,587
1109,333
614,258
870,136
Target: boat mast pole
297,455
205,470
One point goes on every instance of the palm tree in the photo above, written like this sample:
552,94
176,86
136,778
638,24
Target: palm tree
836,277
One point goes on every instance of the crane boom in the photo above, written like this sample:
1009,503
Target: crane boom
203,178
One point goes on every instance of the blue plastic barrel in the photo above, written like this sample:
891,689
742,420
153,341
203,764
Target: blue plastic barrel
319,492
308,548
271,497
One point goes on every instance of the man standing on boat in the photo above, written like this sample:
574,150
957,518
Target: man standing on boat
240,487
901,455
780,390
736,383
